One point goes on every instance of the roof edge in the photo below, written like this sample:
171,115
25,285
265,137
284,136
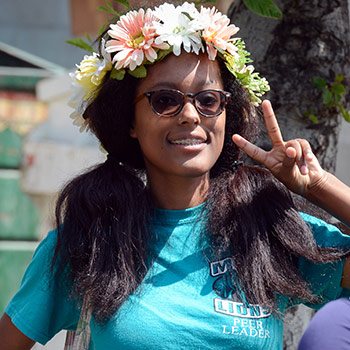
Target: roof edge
32,59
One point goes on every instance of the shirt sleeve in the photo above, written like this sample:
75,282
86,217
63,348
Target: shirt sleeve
42,306
325,279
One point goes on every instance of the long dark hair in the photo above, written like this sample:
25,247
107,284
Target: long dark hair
103,215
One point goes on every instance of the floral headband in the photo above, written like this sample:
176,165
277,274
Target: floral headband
140,38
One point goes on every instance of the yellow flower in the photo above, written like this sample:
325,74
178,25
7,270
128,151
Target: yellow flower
91,71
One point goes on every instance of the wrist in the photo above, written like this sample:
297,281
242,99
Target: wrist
317,189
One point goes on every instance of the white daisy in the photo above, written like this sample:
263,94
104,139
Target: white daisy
178,28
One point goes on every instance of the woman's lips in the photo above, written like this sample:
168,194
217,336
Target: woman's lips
187,142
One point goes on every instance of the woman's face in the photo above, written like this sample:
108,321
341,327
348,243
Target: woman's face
187,144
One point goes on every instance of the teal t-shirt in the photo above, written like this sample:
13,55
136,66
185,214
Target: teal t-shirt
185,302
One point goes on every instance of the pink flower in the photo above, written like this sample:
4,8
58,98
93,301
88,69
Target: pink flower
134,40
217,32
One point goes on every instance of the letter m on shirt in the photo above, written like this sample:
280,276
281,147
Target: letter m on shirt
221,266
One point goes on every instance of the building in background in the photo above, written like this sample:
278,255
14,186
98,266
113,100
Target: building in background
20,113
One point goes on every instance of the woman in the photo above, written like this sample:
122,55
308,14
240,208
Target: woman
329,328
171,242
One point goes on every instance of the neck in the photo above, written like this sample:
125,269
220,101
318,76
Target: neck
178,193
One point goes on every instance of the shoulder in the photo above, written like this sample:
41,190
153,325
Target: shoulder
326,235
48,244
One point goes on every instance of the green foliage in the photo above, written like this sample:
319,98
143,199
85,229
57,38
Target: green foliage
331,96
311,115
117,74
139,72
108,9
266,8
123,2
102,29
87,46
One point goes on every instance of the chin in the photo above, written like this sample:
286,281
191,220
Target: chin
194,171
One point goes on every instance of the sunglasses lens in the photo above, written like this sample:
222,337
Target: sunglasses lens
210,102
166,102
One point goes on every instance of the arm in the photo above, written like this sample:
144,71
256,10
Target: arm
333,196
11,338
294,164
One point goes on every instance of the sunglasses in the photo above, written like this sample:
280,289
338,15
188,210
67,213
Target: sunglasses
169,102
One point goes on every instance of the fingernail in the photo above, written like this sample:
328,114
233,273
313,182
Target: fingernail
304,170
308,155
236,137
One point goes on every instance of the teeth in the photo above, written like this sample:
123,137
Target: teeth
187,142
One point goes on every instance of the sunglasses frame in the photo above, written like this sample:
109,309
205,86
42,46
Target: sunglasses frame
192,96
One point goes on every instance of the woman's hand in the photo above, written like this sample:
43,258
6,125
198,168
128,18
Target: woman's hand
292,162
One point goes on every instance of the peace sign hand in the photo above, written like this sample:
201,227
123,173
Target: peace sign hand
291,162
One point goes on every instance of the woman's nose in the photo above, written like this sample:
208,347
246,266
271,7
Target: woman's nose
189,113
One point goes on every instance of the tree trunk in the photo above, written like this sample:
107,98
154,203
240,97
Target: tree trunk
312,40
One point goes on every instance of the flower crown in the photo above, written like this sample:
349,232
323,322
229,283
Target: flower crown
140,38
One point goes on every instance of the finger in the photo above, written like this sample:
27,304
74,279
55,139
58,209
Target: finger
306,149
271,124
253,151
290,157
299,156
310,159
304,169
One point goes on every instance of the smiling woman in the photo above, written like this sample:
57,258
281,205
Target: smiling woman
187,144
170,243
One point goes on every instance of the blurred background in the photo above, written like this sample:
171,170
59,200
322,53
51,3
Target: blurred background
40,149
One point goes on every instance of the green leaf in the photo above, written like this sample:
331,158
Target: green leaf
139,72
81,44
88,38
117,74
313,118
163,53
102,29
187,15
109,10
266,8
327,97
124,3
337,98
339,78
311,115
319,83
338,88
345,114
